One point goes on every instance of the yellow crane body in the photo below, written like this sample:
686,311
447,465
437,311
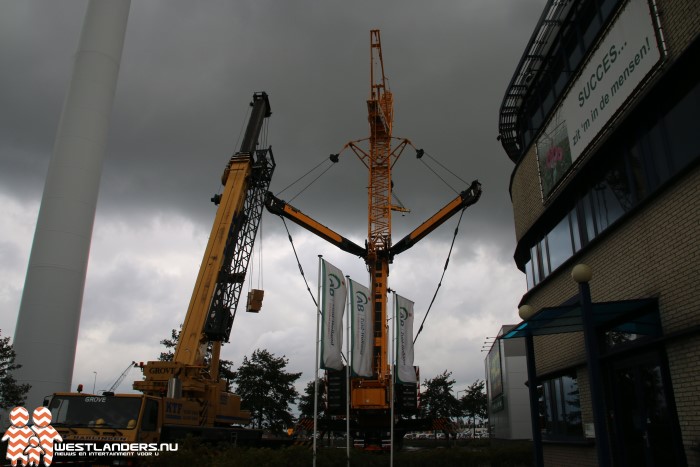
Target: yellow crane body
187,395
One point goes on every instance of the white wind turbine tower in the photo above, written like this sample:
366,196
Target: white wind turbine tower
49,316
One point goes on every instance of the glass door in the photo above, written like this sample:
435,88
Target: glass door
643,423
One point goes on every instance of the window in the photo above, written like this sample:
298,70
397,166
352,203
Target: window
607,6
536,118
639,326
590,22
544,258
559,72
573,50
682,123
528,275
610,200
588,218
150,416
560,408
575,233
559,243
536,268
548,101
655,152
636,167
87,411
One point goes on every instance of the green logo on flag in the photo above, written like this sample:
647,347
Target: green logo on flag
334,283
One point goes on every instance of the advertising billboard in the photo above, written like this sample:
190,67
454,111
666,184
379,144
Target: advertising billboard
626,54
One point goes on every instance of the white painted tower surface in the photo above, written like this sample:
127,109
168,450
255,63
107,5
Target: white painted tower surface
49,315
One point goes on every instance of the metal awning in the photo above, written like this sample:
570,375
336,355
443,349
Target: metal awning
632,316
528,73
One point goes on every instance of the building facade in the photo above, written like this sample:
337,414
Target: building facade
506,374
600,120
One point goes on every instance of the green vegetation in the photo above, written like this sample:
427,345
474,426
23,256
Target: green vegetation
12,393
475,403
267,390
436,398
306,400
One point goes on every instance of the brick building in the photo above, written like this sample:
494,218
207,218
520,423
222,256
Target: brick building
600,120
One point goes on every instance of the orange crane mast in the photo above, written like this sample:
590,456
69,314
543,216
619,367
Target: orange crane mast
379,161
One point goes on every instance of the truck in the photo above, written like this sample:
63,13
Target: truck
187,396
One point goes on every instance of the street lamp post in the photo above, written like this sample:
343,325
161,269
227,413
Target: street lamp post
582,275
526,312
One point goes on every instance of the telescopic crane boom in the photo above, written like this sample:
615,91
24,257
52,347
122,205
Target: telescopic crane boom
282,208
194,370
186,396
119,380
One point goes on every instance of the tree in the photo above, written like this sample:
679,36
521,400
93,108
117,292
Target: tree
475,402
12,394
169,344
267,390
437,399
306,401
225,371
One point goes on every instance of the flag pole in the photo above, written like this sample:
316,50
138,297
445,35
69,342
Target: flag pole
393,376
347,374
318,313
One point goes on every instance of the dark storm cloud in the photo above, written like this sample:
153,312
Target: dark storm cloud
187,74
189,69
37,41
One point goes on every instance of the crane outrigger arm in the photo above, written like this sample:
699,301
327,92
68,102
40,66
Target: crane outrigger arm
284,209
462,201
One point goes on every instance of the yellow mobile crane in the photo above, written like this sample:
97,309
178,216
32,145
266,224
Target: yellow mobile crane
186,395
370,397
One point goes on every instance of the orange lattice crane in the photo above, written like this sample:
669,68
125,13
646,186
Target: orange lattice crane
371,397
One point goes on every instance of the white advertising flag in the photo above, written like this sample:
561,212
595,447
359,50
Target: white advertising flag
404,341
361,329
333,305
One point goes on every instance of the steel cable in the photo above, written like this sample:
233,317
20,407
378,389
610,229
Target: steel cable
444,270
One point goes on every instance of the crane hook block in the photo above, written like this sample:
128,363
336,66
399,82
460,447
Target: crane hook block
255,298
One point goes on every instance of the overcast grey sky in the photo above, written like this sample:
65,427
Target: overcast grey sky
188,71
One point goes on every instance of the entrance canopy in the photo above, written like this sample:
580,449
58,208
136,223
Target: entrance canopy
629,316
